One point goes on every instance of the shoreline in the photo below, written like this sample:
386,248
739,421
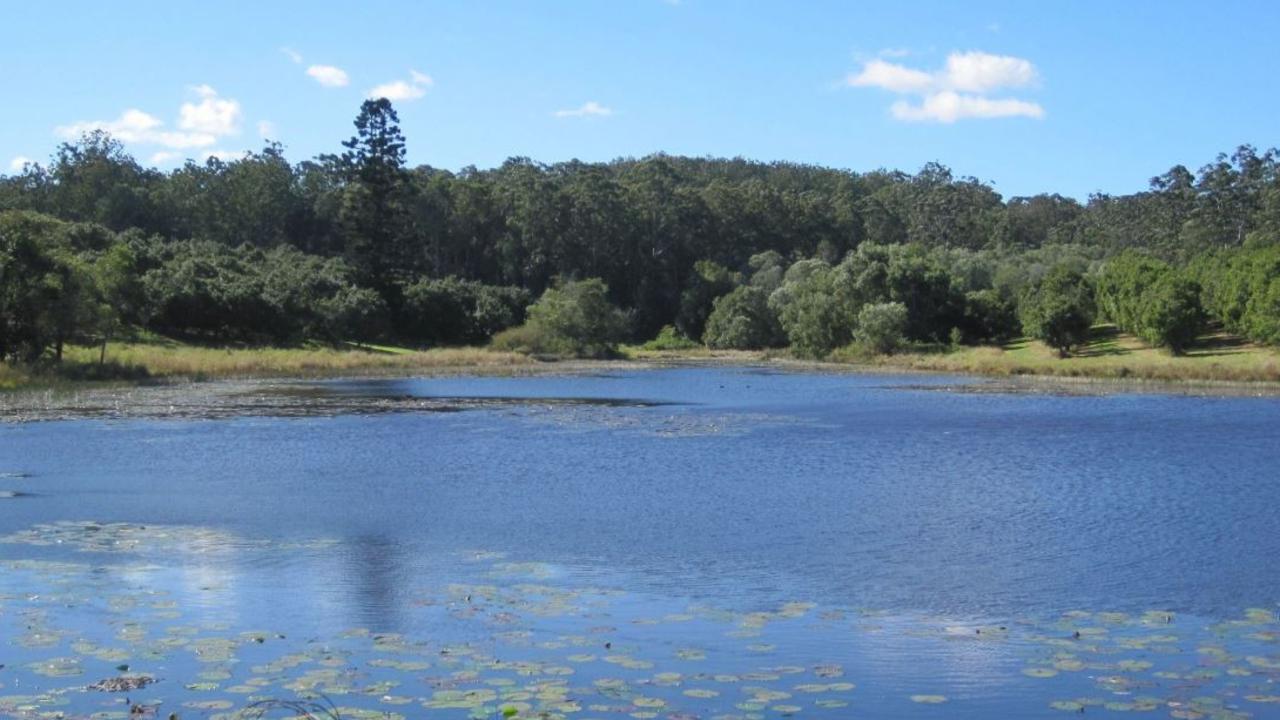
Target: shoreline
172,369
287,394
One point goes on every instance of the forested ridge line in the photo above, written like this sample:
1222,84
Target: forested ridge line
573,258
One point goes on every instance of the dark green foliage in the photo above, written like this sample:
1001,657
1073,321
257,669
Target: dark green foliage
30,285
207,291
1059,309
742,320
989,316
1241,288
1124,279
1147,297
816,310
450,311
913,275
373,212
710,280
572,319
1171,315
667,235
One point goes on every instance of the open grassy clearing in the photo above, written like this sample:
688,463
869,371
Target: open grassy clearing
166,359
1110,354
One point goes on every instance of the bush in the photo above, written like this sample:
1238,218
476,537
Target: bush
450,311
573,318
1122,285
1170,313
669,339
882,327
742,320
988,315
353,313
816,316
525,339
709,282
1058,309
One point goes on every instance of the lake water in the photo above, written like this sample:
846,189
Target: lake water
670,543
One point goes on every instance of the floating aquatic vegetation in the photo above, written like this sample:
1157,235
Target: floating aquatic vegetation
123,683
552,649
89,536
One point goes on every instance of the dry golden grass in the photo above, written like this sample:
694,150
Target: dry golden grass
1111,355
173,360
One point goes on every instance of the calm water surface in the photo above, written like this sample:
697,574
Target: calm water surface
664,543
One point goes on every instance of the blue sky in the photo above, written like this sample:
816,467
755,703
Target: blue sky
1073,97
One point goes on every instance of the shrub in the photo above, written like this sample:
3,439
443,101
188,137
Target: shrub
709,282
882,326
988,315
816,316
669,339
450,311
1058,309
573,318
742,320
1170,314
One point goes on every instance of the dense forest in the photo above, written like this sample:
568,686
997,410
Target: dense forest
573,257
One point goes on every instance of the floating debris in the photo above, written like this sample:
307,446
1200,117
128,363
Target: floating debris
123,683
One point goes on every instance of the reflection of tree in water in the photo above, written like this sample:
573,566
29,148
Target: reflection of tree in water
377,576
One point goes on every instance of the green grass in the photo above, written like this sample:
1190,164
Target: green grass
1109,354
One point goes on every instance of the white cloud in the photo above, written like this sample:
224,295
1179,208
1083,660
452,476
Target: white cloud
591,108
948,106
329,76
266,129
200,125
164,157
224,155
292,54
982,72
136,126
18,163
412,89
967,72
892,77
957,90
212,115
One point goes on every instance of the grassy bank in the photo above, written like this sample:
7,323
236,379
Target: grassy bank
1109,355
168,360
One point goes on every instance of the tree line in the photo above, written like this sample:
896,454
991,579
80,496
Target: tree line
357,245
